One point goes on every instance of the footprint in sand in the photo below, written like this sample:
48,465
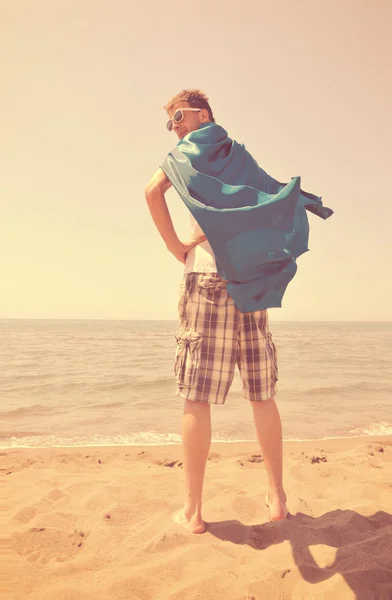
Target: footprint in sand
25,514
57,520
55,494
47,544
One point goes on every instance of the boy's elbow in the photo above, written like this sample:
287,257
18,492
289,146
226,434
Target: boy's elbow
157,186
149,192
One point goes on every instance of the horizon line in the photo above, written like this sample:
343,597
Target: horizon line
121,319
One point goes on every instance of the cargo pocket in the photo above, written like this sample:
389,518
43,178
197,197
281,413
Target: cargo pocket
271,349
187,357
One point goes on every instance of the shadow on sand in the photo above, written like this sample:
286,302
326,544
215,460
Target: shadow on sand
364,546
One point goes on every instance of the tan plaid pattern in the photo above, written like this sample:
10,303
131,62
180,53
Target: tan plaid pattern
214,336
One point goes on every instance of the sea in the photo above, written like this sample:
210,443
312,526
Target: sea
108,383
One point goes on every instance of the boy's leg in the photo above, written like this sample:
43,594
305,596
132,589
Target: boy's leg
257,362
204,366
196,440
269,433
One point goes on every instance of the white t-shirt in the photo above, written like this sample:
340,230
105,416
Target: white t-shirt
201,258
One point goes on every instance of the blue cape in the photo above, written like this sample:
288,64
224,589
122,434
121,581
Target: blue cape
257,227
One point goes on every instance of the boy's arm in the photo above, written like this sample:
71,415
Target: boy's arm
155,196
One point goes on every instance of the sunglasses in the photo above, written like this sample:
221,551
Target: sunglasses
178,116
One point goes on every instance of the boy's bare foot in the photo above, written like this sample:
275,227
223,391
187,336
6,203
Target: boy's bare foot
194,524
277,506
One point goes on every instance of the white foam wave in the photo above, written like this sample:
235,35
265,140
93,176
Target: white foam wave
374,429
152,438
143,438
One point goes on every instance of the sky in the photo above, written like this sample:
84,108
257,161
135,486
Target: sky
305,85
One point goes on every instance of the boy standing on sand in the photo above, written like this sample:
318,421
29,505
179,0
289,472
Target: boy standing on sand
214,336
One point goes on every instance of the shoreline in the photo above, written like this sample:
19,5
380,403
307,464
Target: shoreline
344,442
232,448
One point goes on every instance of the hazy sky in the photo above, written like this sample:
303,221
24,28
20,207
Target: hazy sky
305,85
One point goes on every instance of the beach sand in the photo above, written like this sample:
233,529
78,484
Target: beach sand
94,523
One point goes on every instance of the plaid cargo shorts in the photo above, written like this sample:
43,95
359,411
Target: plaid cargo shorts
214,336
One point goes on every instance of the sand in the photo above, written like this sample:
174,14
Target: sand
96,524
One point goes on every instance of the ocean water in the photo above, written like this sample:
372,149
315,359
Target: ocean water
76,383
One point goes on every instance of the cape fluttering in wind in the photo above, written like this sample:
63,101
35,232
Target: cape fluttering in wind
257,227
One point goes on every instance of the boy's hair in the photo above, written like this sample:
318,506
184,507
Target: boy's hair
196,99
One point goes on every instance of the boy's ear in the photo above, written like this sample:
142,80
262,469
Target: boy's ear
204,115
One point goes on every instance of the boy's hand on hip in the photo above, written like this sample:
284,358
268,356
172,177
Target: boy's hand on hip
181,251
